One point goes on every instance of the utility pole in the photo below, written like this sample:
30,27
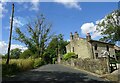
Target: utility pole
11,26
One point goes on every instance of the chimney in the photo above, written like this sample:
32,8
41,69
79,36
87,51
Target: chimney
88,37
76,35
71,36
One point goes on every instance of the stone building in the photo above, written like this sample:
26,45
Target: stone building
88,48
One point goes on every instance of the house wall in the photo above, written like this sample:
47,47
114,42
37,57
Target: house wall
80,47
84,48
102,46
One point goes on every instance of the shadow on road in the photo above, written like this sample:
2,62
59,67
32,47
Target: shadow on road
52,77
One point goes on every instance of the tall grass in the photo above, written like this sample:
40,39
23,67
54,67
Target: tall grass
19,65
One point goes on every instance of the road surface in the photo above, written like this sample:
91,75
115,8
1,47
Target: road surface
54,73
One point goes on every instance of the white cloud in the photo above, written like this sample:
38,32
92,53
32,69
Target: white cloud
17,22
4,47
69,3
68,40
2,9
35,5
90,28
87,28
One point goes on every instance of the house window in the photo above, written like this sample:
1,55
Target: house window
107,48
95,46
96,55
73,49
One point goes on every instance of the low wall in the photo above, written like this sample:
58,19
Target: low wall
98,66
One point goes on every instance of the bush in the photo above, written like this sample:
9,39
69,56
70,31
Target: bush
38,62
69,55
26,54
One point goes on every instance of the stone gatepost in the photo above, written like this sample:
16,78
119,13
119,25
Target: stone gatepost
72,62
59,59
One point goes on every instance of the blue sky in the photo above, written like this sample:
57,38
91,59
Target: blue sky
65,17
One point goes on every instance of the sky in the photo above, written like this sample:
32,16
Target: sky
65,17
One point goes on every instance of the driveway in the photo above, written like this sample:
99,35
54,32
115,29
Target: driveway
54,73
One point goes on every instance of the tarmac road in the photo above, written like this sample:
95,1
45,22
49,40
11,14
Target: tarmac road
54,73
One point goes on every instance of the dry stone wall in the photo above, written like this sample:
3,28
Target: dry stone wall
98,66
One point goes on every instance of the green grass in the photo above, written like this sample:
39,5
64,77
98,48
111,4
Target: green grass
19,65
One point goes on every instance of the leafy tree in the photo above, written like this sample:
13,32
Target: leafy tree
26,54
2,56
61,44
39,34
55,47
15,53
110,27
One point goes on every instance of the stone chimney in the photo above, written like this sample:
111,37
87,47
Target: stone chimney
71,36
88,37
76,35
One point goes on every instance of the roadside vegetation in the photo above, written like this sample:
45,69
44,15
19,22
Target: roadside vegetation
69,55
19,65
43,47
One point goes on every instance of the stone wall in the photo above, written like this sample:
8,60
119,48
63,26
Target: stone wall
98,66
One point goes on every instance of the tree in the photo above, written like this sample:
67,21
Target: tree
26,54
39,34
15,53
110,27
61,44
2,56
55,47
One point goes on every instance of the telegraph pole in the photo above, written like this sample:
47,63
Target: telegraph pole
11,26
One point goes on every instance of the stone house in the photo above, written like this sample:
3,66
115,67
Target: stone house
88,48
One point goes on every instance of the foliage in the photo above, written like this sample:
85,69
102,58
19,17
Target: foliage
55,47
26,54
38,62
110,27
118,54
2,56
39,34
9,69
118,57
69,55
19,65
15,53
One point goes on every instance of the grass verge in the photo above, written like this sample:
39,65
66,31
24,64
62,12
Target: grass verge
19,65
